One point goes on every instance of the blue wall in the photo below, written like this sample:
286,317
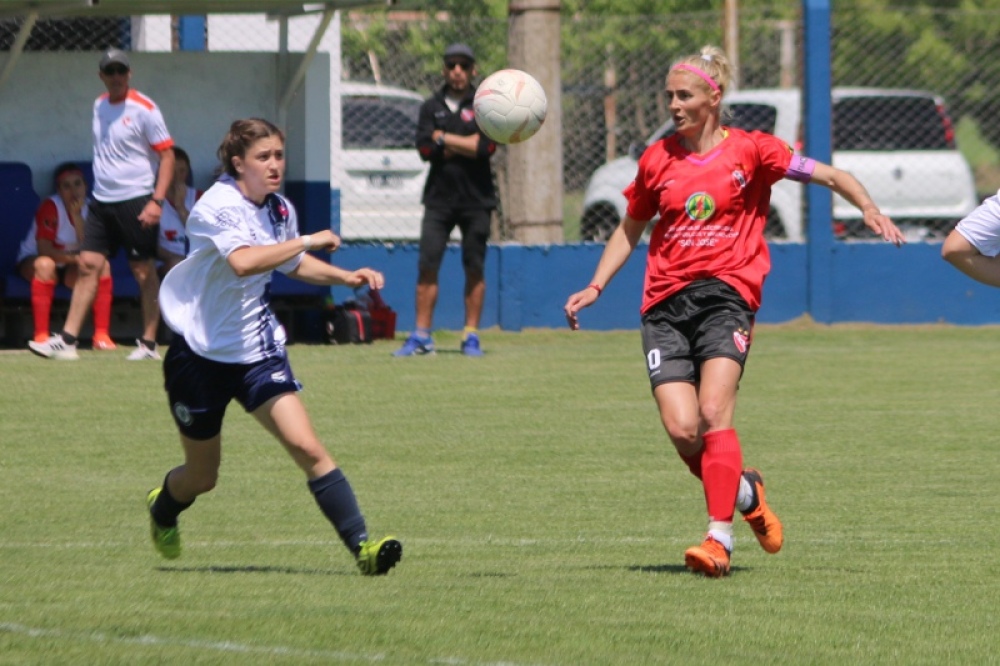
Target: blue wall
528,285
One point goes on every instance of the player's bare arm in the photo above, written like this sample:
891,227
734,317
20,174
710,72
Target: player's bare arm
152,211
619,246
253,260
851,189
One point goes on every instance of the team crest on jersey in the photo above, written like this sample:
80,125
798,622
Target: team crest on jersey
468,115
741,338
739,177
700,206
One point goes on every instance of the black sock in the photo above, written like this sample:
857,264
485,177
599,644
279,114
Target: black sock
148,344
337,502
166,509
67,338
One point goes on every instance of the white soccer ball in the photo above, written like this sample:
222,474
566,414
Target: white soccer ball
510,106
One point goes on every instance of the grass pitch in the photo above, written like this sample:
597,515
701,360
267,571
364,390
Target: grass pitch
543,511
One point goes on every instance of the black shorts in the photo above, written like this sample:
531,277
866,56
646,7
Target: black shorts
110,226
199,389
707,319
436,227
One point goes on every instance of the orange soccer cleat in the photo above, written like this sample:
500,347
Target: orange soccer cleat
103,342
710,558
762,520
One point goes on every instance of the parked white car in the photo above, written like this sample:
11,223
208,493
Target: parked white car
375,164
899,143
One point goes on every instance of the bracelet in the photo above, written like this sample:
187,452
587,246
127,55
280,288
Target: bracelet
596,287
307,242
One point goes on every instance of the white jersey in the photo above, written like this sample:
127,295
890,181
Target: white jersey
981,227
127,138
173,235
63,236
221,316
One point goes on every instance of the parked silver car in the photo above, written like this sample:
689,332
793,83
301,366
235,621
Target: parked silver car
899,143
375,164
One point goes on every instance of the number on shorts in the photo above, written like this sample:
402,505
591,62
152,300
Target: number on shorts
653,359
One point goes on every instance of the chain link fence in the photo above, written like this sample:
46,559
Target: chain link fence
916,101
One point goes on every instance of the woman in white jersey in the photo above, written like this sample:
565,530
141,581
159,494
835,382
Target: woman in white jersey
974,244
181,197
229,344
49,253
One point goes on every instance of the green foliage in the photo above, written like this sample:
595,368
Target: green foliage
543,512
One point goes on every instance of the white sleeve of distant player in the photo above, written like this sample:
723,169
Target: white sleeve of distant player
293,232
981,227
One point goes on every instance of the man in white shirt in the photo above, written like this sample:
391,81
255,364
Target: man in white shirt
133,166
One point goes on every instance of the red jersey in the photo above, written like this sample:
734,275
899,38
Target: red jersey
713,209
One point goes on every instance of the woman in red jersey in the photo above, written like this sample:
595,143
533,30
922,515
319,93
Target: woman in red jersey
711,186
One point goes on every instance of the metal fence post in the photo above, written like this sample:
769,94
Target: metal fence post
819,200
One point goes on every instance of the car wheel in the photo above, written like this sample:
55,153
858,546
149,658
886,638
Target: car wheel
598,222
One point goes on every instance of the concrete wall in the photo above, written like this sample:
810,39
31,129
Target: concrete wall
46,107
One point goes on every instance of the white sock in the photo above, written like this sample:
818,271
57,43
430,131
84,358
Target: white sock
721,532
745,495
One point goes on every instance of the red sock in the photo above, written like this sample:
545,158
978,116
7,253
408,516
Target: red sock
693,462
102,306
42,292
722,464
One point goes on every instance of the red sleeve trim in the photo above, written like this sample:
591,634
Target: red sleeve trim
141,99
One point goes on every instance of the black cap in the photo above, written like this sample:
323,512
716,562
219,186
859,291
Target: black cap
459,50
113,56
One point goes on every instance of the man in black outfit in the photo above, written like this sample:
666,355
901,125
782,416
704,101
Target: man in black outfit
459,192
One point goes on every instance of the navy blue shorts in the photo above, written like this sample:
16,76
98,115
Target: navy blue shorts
199,389
707,319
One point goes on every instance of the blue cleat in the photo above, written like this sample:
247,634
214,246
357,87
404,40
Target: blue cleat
415,346
470,345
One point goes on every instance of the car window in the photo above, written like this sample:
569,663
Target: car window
888,123
752,117
379,123
743,115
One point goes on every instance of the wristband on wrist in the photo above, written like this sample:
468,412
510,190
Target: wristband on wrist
596,287
307,242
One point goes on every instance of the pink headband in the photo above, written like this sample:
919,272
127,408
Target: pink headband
705,77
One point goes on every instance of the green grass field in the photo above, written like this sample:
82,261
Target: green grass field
543,511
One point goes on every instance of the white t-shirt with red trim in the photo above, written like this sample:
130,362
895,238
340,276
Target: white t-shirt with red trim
128,136
52,222
173,235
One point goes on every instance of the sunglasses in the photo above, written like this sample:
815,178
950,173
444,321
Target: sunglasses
452,64
115,70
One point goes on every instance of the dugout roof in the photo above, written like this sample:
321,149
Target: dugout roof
104,8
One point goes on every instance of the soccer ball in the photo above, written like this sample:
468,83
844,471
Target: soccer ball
510,106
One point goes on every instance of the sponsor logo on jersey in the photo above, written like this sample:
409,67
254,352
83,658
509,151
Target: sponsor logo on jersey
468,115
700,206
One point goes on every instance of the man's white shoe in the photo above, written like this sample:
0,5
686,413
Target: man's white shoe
143,353
55,348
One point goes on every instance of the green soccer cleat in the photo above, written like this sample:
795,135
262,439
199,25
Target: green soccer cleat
166,540
375,558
